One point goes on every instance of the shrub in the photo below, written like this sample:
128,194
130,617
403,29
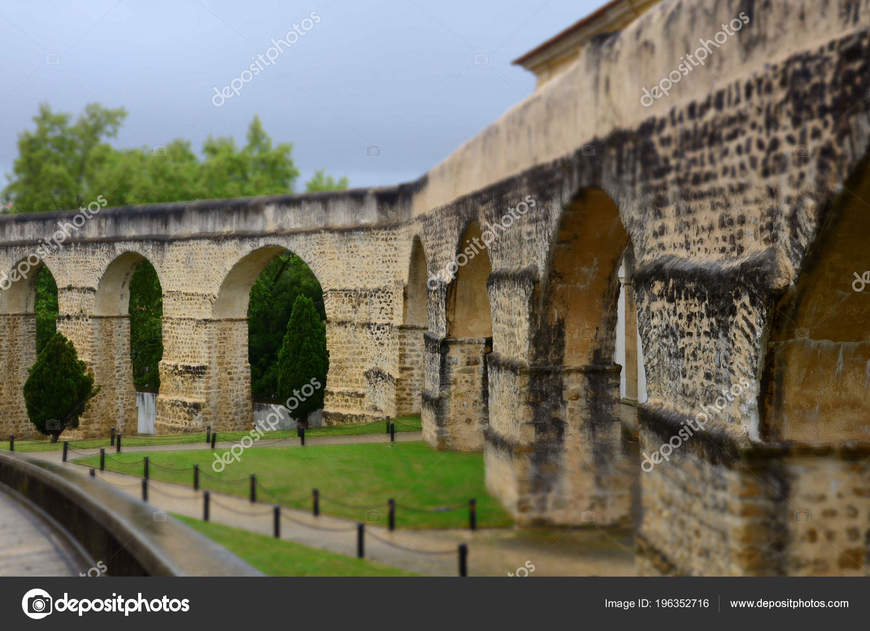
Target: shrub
303,360
58,388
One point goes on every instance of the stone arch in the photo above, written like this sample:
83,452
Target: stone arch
468,309
463,415
18,341
409,385
414,311
816,370
117,403
230,402
577,471
581,281
113,289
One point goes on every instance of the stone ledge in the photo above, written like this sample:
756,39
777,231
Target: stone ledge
111,525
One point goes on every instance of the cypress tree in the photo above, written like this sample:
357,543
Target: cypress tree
303,360
58,388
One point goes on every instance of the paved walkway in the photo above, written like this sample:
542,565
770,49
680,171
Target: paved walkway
401,437
30,546
492,551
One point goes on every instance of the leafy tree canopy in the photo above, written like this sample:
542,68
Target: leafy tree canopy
63,165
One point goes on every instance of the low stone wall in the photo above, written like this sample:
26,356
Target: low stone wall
137,538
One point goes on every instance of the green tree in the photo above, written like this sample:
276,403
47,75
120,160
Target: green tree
303,360
322,182
45,307
58,388
272,298
57,161
146,335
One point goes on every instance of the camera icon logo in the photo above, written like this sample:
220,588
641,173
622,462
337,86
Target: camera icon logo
37,604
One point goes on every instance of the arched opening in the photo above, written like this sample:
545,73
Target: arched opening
817,370
29,318
815,394
628,349
468,312
128,347
409,386
263,346
579,473
464,374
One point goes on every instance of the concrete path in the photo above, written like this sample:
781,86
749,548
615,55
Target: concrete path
29,545
593,551
401,437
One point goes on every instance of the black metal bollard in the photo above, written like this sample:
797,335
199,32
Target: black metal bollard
360,540
387,427
302,435
147,467
112,437
205,496
144,489
118,443
315,498
65,449
276,521
463,559
392,513
196,477
208,434
392,432
102,459
213,439
253,488
93,473
472,514
11,442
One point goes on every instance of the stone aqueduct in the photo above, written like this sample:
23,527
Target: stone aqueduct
743,199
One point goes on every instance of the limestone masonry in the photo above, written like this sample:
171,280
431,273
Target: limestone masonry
742,201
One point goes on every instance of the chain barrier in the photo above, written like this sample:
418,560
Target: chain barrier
215,501
406,548
315,527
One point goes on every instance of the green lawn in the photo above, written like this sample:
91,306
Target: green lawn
355,481
403,424
277,557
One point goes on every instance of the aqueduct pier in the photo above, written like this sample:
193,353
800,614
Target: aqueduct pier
741,202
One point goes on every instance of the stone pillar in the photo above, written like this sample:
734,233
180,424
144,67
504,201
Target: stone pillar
409,386
554,450
115,405
187,380
18,352
230,396
631,354
458,415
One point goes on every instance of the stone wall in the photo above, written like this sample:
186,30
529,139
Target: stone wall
730,195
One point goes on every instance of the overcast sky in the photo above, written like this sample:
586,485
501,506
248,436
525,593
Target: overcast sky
378,91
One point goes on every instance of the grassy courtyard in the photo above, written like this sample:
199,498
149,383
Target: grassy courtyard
278,557
431,488
403,424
